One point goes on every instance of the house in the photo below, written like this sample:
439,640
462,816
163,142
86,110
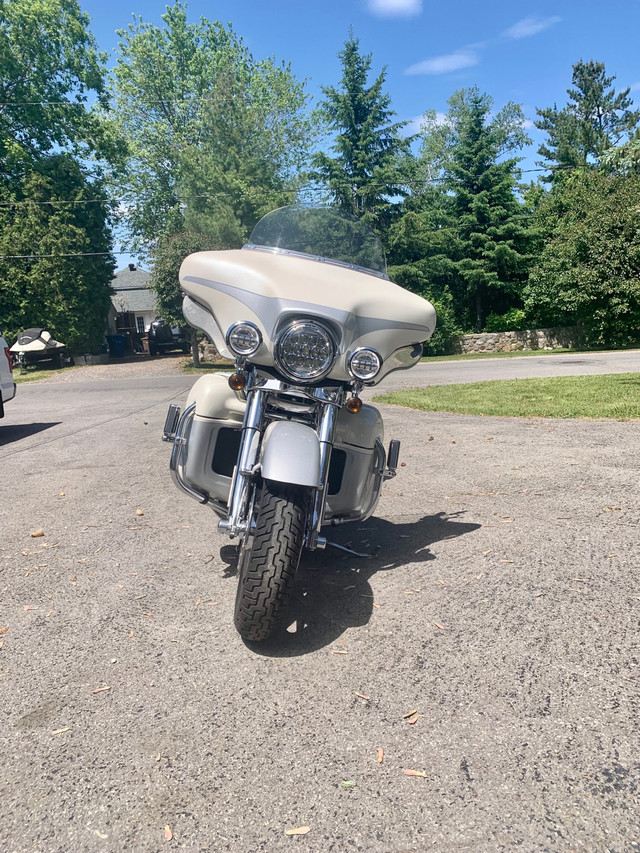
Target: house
133,303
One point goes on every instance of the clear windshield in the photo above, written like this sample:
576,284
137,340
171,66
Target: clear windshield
322,233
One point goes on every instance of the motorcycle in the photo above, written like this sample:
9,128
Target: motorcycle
283,446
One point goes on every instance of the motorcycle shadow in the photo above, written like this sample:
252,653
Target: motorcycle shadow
332,590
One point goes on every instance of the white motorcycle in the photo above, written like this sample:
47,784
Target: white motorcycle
283,446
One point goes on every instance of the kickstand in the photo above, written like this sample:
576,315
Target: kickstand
351,551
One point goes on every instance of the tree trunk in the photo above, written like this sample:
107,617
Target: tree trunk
195,352
479,317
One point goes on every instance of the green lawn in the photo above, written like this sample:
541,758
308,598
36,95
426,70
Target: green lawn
613,395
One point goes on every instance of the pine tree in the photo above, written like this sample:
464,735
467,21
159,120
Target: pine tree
365,174
595,119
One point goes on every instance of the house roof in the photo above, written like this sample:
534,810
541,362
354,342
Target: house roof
131,276
132,291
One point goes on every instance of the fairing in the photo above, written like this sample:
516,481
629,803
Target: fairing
270,288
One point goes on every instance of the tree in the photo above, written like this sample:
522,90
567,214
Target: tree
588,272
595,119
365,175
215,137
53,210
49,67
62,282
466,232
169,254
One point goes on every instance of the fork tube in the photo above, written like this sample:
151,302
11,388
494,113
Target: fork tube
326,430
249,443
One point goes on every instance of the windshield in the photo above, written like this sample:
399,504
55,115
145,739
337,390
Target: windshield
321,233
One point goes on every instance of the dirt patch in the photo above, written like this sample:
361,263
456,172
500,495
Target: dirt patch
144,365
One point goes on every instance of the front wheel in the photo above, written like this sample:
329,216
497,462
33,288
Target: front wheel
269,558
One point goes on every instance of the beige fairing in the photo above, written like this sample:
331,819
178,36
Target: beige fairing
269,289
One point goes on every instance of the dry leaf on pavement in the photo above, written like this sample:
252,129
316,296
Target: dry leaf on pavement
415,773
300,830
380,755
168,835
37,533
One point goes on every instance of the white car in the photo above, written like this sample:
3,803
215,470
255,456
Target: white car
7,385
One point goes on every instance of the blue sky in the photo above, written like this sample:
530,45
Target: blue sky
520,52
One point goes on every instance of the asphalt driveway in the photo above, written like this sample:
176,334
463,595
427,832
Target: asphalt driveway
501,606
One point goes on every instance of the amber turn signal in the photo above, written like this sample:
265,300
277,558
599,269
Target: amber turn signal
354,404
237,381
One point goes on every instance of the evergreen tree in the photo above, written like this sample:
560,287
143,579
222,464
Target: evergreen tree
595,119
464,239
492,237
366,173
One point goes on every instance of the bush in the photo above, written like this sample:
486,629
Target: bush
446,326
514,320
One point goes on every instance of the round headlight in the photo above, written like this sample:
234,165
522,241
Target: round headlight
365,363
244,339
305,351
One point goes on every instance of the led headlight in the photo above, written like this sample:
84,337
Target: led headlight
244,339
305,351
365,363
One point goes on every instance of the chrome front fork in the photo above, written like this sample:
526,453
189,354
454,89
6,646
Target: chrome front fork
326,430
237,521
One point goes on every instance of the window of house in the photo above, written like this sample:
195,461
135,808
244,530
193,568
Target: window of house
140,322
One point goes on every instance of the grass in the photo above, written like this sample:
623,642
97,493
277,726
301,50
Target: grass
613,395
33,374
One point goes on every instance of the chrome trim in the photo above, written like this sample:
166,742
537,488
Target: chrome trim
243,355
354,354
326,430
236,522
276,250
179,456
318,376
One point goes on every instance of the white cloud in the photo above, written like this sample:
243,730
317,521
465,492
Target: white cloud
635,87
395,8
530,27
464,58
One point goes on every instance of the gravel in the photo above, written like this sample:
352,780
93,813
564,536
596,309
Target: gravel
501,604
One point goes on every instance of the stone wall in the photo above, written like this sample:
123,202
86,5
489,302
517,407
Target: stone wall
531,339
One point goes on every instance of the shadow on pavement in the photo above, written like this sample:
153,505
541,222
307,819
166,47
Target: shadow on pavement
332,590
15,432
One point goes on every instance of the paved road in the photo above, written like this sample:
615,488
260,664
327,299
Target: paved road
503,607
518,367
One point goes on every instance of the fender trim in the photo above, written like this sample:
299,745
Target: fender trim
290,453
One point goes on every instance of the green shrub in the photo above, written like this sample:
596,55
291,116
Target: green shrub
446,326
513,321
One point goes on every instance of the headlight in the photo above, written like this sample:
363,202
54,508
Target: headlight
365,363
305,351
244,339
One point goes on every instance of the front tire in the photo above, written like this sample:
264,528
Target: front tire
268,560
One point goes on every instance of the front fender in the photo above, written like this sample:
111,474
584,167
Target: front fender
290,453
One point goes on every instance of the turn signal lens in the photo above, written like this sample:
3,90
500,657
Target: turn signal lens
353,405
237,381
